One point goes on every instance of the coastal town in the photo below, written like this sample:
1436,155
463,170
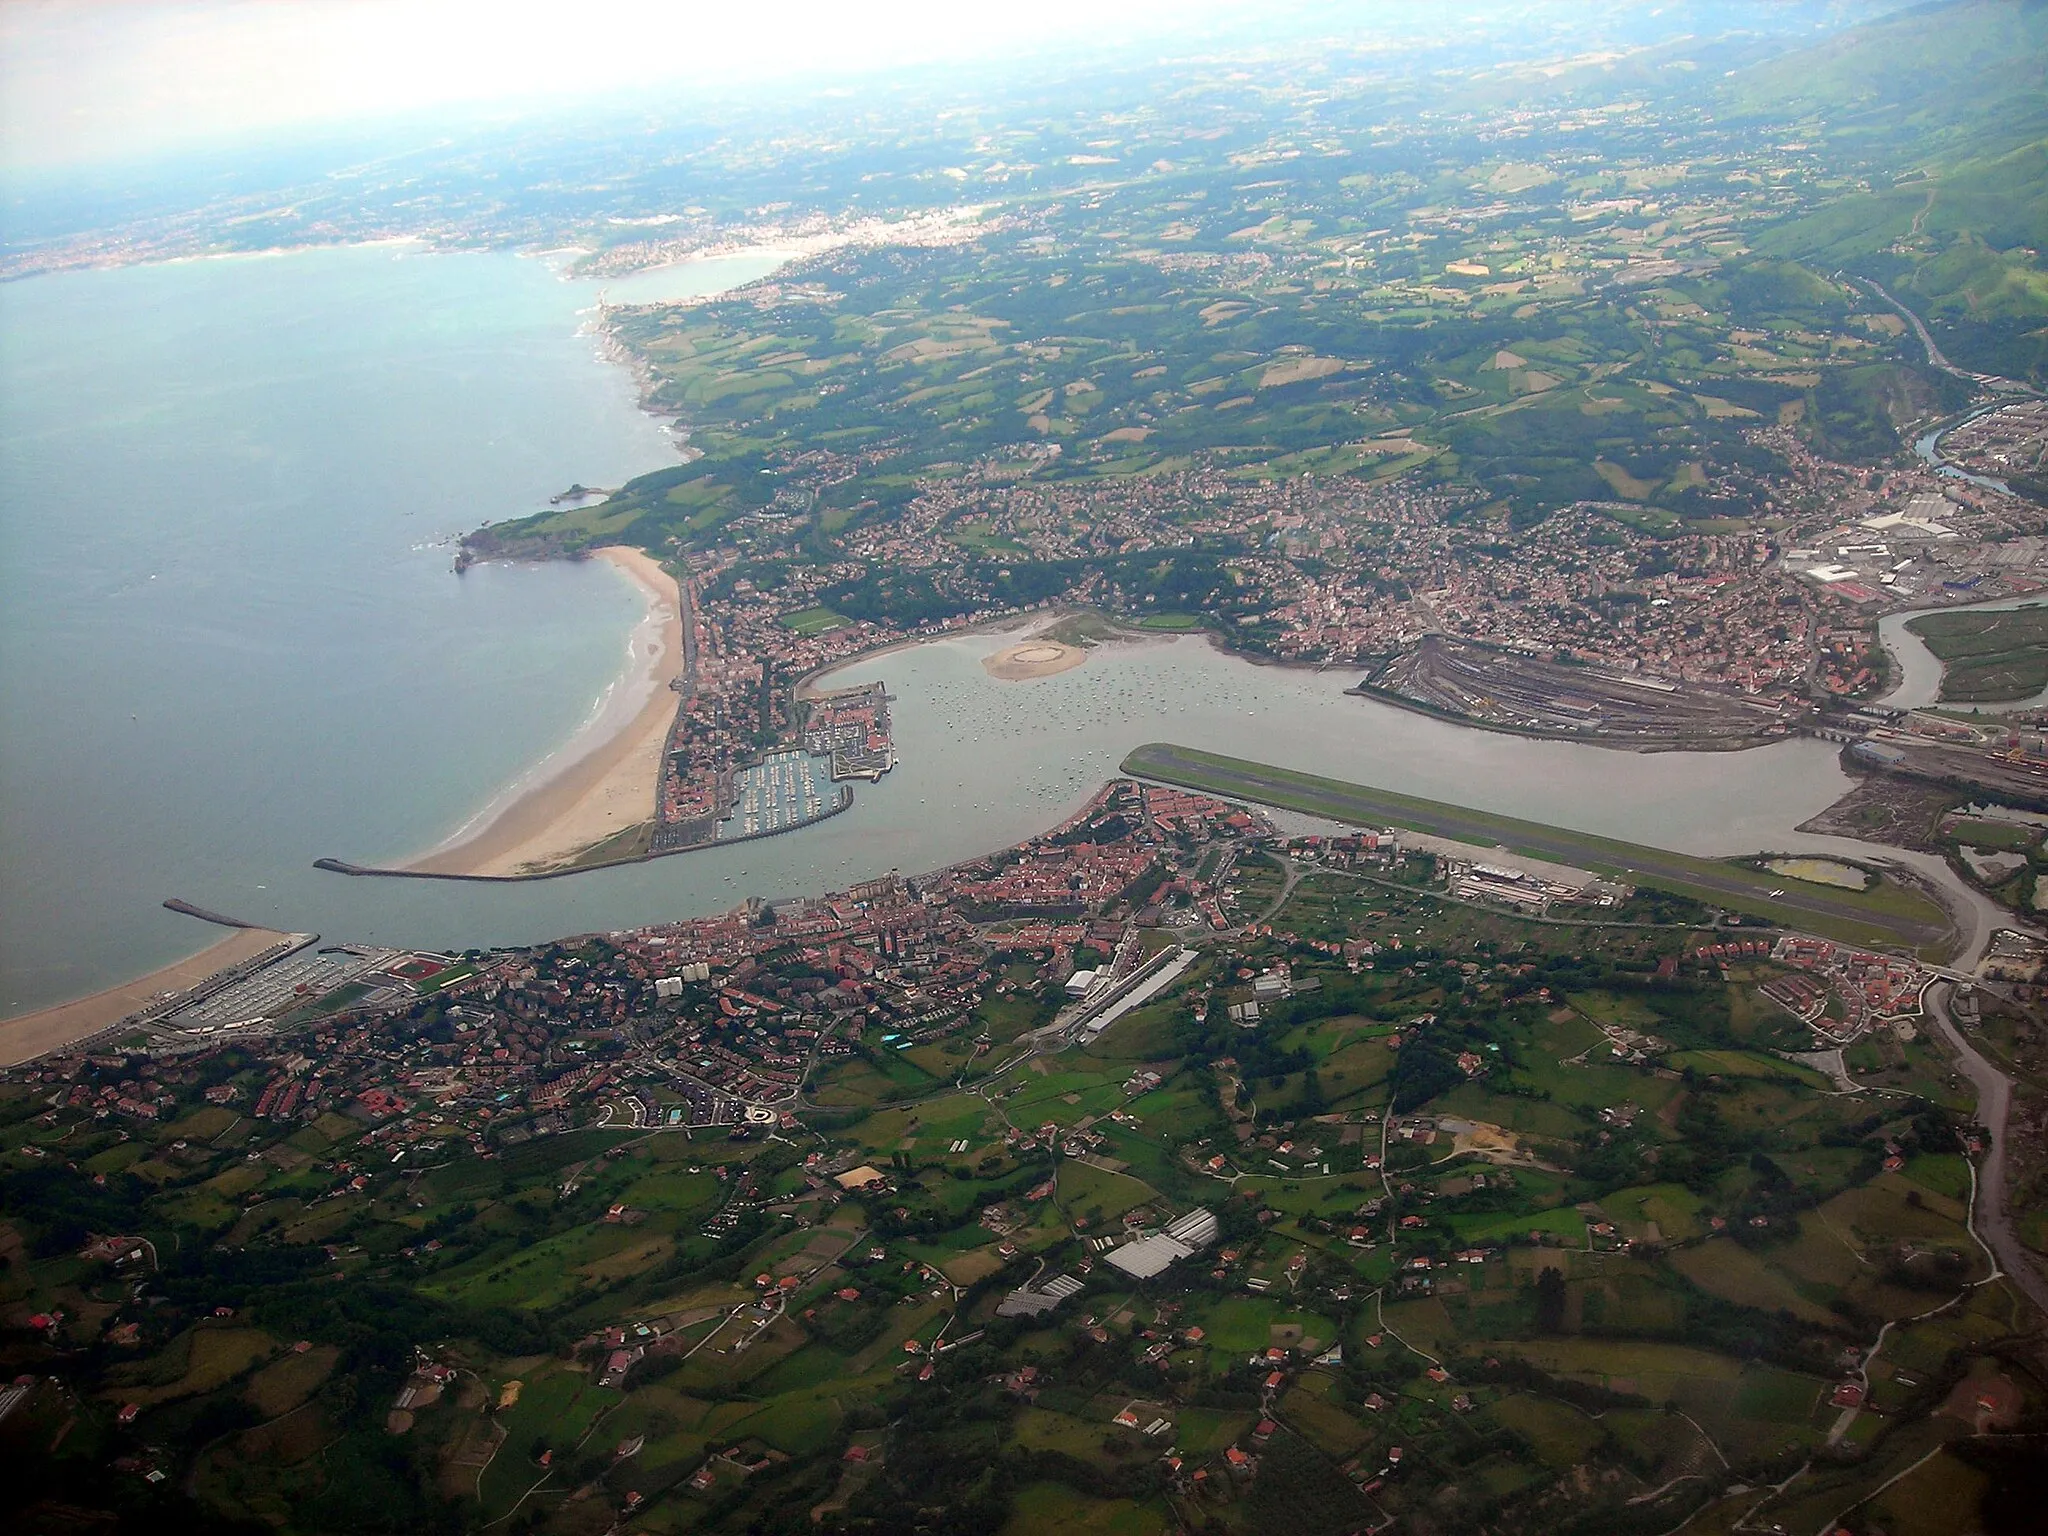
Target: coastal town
795,1092
1626,618
1592,625
724,1020
751,753
1280,772
1590,497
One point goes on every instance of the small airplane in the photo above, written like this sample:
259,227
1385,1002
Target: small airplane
1777,893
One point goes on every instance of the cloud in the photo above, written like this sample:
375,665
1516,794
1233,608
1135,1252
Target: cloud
86,80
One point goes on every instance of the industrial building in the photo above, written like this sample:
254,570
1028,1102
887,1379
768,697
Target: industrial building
1031,1301
1183,1237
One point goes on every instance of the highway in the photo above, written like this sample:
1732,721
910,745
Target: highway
1935,359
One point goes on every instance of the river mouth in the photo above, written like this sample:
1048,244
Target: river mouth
984,763
241,664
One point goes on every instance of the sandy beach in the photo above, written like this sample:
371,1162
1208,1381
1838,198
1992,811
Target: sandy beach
1033,658
49,1029
605,785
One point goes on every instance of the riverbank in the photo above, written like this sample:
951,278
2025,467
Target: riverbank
604,780
1920,672
1590,738
51,1029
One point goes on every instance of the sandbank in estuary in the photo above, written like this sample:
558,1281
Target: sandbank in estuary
608,774
1033,658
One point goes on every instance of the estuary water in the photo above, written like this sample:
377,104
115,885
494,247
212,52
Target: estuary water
231,639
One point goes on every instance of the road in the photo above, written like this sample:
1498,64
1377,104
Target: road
1934,355
1363,805
1292,877
1994,1103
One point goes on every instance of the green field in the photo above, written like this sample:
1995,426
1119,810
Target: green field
812,621
1988,658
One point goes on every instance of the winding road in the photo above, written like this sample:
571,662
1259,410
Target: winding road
1994,1103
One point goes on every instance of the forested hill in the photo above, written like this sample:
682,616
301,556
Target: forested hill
1938,117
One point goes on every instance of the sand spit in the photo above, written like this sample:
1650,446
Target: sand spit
1033,658
49,1029
605,786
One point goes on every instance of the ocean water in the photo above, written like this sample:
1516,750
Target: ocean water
230,636
232,642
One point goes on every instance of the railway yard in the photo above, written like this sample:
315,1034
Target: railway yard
1508,691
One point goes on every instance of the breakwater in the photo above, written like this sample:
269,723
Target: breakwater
844,802
205,915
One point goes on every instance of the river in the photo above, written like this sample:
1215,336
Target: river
1928,446
231,641
1919,669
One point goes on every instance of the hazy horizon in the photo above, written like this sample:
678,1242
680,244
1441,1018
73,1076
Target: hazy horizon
89,84
85,83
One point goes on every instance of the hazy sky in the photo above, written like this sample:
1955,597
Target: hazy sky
85,80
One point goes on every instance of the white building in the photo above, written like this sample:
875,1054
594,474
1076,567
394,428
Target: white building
1183,1237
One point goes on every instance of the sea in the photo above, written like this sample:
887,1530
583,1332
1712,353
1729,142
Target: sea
232,639
231,636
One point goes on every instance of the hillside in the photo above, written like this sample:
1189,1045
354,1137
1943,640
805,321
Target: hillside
1944,107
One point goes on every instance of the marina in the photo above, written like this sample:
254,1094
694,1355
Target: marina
784,791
